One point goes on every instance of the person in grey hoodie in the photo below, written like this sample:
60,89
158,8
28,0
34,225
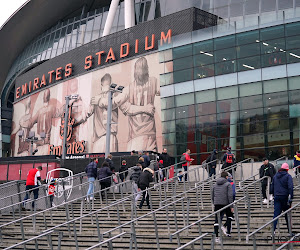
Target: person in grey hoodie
222,195
137,170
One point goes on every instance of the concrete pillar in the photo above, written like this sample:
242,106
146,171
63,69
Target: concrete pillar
129,13
110,17
233,130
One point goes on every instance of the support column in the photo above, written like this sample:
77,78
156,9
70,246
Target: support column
110,17
129,13
233,130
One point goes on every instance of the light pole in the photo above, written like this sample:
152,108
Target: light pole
112,89
64,148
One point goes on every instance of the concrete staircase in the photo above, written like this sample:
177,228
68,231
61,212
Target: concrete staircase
145,227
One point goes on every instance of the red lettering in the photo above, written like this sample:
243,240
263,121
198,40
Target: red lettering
50,75
58,74
88,62
18,92
24,89
147,47
35,83
43,82
136,46
110,55
99,56
30,84
163,37
68,70
122,54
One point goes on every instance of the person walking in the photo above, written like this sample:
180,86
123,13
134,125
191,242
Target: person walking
297,162
267,169
146,158
91,172
166,159
104,174
228,160
51,191
283,189
32,182
142,162
110,163
222,195
143,183
212,163
186,157
137,170
123,171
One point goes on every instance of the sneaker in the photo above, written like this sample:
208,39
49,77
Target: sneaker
23,208
271,197
217,240
224,230
91,198
265,201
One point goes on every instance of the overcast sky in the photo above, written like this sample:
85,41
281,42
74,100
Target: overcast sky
7,8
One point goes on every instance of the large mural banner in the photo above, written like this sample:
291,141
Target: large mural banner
136,112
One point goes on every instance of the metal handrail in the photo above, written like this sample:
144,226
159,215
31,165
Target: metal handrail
106,241
290,241
192,241
204,218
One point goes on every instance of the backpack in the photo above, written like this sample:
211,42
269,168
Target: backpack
182,158
229,158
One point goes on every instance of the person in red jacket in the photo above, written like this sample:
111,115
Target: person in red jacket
32,183
188,160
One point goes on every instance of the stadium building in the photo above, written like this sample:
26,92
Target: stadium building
197,74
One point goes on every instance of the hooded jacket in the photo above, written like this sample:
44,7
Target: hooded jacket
282,184
267,170
212,157
222,193
103,173
145,178
136,174
91,170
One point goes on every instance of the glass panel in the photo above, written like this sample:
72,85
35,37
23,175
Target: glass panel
182,100
204,71
247,37
248,50
251,102
182,51
169,139
88,30
167,103
275,85
184,112
206,108
249,63
273,46
183,75
224,42
294,97
206,96
253,127
185,124
250,89
294,82
225,54
166,79
168,114
277,125
292,29
228,118
293,56
272,32
206,120
254,141
227,105
168,127
292,42
204,46
278,112
183,63
278,98
251,115
225,67
273,59
227,93
203,59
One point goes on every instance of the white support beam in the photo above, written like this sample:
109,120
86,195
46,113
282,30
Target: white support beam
129,14
110,17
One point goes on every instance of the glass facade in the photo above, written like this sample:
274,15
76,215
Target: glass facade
206,103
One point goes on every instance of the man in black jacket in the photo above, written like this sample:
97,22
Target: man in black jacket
91,172
143,183
110,163
213,163
267,169
166,161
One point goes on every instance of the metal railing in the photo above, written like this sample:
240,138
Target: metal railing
289,243
192,242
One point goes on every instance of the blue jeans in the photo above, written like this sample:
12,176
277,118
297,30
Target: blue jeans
35,193
91,181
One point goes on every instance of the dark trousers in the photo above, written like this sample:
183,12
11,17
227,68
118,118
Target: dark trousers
51,197
35,193
280,205
145,197
185,175
264,185
104,185
212,171
227,165
229,216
